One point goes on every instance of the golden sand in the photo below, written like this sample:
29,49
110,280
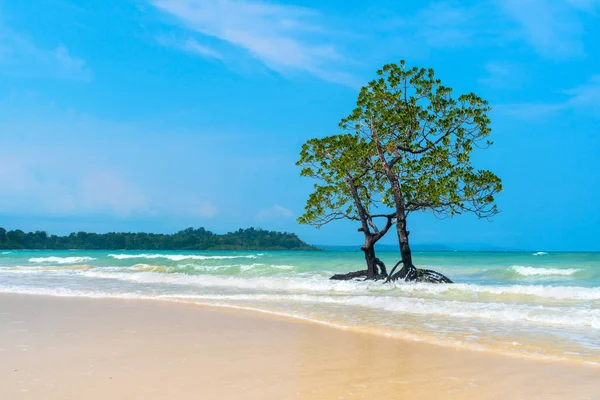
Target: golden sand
67,348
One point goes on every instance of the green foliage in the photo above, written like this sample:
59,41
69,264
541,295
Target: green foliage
188,239
345,186
424,137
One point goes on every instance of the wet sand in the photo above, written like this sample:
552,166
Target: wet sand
75,348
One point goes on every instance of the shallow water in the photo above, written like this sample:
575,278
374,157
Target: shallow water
530,304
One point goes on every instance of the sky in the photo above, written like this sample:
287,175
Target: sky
157,115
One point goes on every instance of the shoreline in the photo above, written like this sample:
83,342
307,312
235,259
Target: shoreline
409,338
141,346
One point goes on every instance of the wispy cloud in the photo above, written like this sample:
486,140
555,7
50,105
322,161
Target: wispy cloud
444,25
449,24
586,5
206,209
286,39
583,98
25,187
47,168
20,56
502,74
586,95
190,46
32,186
275,212
552,27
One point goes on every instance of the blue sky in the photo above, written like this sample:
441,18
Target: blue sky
162,114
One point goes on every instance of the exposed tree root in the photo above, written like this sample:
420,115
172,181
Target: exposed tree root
427,275
349,276
407,274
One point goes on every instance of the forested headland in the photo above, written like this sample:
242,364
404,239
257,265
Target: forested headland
188,239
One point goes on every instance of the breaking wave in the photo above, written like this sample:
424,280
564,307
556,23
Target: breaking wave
492,311
536,271
60,260
540,253
322,285
180,257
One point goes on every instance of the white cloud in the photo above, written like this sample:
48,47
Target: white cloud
586,95
444,24
502,74
19,56
582,98
37,188
551,27
107,191
284,38
191,46
275,212
207,210
586,5
34,187
62,163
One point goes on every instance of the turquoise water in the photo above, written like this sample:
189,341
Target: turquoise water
544,305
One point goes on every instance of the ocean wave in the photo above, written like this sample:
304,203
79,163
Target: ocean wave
540,253
6,252
181,269
60,260
19,269
541,291
224,302
538,271
501,312
181,257
251,267
317,284
487,311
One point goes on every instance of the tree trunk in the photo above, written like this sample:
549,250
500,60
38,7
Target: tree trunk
369,250
408,271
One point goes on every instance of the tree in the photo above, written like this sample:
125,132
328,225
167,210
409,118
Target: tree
422,139
346,189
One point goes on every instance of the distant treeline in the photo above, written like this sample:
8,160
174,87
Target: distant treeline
188,239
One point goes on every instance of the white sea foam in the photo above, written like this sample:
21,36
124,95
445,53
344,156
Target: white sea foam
538,271
542,291
250,267
6,252
60,260
180,257
283,266
540,253
47,269
493,312
316,284
200,299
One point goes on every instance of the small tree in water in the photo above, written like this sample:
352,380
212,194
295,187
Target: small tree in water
422,138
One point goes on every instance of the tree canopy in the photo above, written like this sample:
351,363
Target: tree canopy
345,188
425,137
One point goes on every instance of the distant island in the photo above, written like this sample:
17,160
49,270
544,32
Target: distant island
187,239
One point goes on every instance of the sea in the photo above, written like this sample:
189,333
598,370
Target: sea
542,305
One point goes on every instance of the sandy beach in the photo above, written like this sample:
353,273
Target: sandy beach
73,348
